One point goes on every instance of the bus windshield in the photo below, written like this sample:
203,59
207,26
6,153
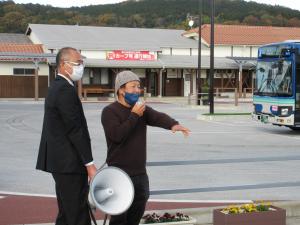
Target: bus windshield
274,78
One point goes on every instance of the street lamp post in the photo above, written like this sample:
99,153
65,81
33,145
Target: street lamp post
211,71
191,23
199,53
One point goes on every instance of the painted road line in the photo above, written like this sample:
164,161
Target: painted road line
150,200
225,161
204,132
226,188
199,201
27,194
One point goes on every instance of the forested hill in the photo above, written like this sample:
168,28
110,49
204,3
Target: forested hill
14,18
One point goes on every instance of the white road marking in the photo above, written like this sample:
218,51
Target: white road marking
230,123
150,200
205,132
27,194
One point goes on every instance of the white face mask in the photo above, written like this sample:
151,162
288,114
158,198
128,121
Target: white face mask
77,72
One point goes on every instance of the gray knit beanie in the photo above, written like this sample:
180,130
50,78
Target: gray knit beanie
123,78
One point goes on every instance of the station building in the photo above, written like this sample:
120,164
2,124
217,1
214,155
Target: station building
166,60
20,61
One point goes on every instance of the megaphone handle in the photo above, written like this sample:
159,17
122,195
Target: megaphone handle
92,214
105,218
103,165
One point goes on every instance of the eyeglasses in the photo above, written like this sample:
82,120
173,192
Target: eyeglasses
75,63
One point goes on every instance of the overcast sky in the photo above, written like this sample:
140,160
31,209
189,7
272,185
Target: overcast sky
69,3
294,4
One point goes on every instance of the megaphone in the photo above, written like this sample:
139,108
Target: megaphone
111,191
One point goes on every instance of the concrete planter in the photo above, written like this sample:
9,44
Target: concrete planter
277,216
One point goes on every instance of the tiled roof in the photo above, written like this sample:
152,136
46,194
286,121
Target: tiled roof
22,51
22,48
14,38
246,35
108,38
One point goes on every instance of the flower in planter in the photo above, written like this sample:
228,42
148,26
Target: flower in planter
247,208
167,217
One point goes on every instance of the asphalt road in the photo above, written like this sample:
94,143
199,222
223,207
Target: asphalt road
226,158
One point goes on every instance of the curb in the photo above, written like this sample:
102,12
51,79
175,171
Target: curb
203,216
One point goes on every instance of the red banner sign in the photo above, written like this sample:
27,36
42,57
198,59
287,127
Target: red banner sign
130,55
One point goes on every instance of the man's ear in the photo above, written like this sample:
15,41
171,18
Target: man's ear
121,91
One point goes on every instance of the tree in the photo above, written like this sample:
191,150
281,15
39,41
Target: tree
267,20
14,22
107,19
145,13
251,20
280,21
293,22
137,20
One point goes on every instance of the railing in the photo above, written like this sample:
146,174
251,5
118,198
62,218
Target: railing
245,91
203,97
95,90
99,90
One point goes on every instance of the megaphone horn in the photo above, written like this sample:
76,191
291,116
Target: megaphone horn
111,191
102,194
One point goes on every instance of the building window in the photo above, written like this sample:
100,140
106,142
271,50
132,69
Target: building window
23,71
104,76
96,76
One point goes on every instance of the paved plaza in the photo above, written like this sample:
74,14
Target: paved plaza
225,157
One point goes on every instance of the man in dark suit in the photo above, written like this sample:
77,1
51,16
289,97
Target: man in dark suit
65,147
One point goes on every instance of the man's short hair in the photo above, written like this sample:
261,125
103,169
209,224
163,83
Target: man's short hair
63,54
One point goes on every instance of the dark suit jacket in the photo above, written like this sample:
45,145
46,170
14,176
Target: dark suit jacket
65,145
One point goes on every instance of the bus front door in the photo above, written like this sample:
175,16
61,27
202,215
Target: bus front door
297,99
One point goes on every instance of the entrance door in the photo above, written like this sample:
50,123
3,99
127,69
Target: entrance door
297,103
187,84
152,87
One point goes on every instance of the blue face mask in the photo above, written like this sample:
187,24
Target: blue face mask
131,98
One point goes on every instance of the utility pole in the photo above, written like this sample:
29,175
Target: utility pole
199,53
212,46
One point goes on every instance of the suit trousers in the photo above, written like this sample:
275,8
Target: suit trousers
141,194
72,193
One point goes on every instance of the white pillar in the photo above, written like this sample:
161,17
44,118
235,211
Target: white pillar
194,77
36,80
240,79
160,83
